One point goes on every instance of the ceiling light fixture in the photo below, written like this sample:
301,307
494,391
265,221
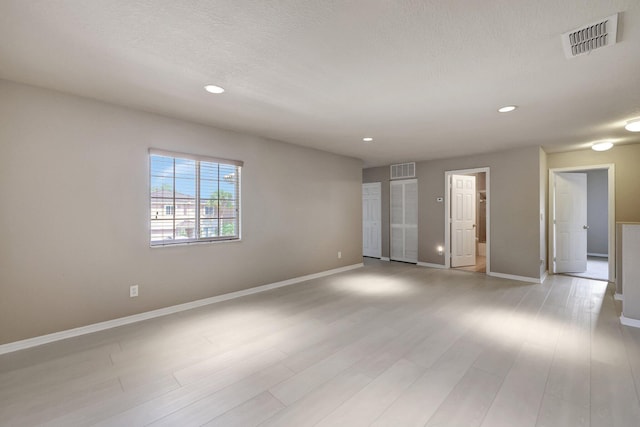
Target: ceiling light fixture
633,125
213,89
367,139
602,146
507,109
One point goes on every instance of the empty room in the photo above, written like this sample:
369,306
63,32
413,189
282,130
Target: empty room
318,213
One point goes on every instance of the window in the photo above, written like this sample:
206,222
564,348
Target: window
193,198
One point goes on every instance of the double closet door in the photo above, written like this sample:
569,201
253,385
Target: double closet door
404,220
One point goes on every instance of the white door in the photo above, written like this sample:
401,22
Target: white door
463,220
371,225
404,220
570,222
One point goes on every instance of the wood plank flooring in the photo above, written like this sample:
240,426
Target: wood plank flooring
479,267
597,269
389,344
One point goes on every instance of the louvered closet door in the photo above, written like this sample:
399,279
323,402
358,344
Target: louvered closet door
404,220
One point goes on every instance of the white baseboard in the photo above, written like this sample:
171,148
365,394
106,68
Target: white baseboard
598,255
544,276
514,277
501,275
430,265
101,326
630,322
618,297
385,258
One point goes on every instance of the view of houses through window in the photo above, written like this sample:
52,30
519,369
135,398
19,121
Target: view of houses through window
193,198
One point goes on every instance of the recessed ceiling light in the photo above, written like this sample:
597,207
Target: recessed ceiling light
367,139
602,146
507,108
633,125
213,89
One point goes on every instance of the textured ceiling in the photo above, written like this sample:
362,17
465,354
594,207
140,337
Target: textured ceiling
424,78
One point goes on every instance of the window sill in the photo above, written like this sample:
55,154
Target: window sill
196,243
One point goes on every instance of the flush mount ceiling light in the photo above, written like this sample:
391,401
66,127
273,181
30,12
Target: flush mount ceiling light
213,89
633,125
367,139
602,146
507,109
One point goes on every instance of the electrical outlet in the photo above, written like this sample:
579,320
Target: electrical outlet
339,254
133,291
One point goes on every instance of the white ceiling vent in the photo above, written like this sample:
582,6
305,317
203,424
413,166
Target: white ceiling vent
403,170
583,40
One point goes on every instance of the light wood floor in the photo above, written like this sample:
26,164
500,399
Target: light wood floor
389,344
479,267
597,269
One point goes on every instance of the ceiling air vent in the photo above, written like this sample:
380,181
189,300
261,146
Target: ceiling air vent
403,170
589,37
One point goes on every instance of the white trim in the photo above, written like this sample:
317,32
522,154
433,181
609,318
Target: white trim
618,297
635,323
514,277
407,260
83,330
598,255
544,276
447,213
611,189
385,258
430,265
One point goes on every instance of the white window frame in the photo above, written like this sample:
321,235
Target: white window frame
196,239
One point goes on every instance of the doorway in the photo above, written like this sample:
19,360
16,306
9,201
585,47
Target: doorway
371,220
467,220
582,221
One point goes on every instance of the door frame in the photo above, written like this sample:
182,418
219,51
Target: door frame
447,212
611,212
379,208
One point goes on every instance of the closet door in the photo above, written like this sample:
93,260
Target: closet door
371,213
404,220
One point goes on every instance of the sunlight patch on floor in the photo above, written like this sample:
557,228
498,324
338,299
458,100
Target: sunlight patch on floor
374,285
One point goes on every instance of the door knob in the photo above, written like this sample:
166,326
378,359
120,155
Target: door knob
586,227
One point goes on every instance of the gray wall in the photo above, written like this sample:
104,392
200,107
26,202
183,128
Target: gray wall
74,213
515,179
